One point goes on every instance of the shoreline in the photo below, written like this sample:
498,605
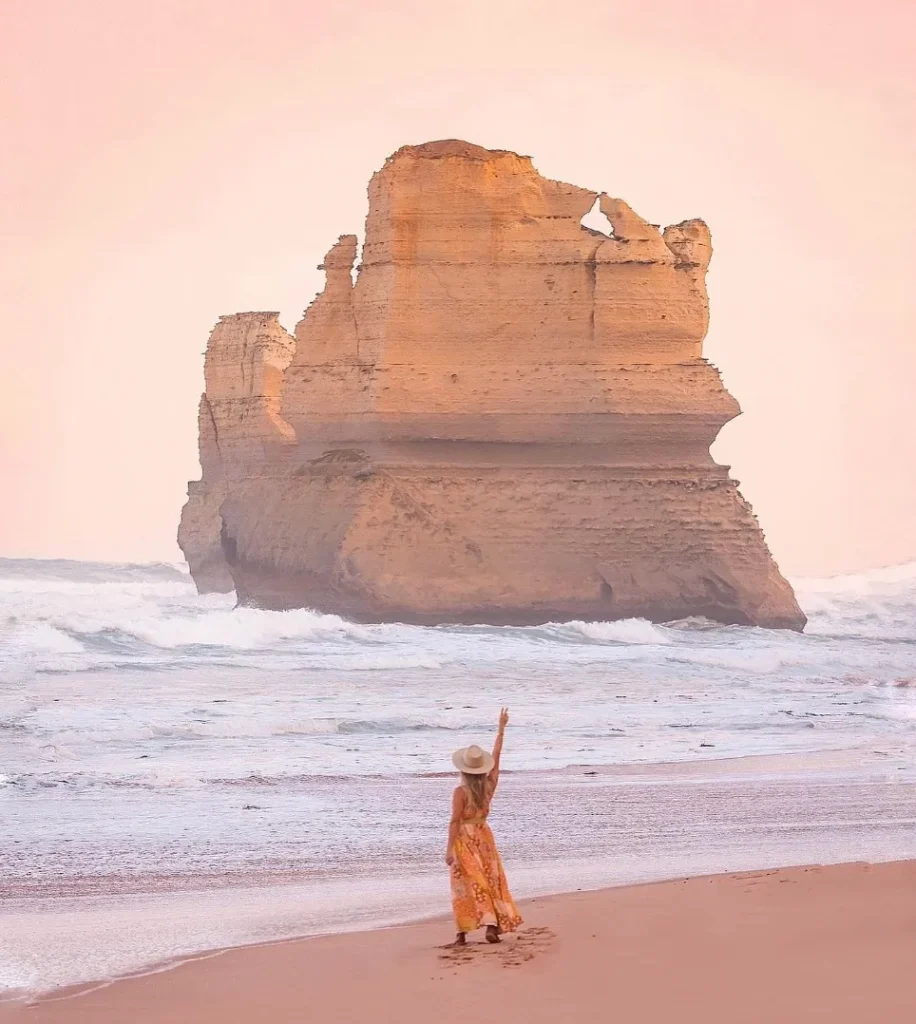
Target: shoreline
287,889
561,831
803,922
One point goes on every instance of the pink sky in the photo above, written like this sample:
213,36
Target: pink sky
168,162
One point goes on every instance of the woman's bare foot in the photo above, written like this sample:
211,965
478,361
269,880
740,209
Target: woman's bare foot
460,939
493,933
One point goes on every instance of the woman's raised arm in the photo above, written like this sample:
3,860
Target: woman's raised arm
498,747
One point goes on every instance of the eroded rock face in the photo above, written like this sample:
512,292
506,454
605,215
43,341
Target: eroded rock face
506,419
241,432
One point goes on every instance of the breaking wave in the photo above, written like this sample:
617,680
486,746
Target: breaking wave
880,604
61,616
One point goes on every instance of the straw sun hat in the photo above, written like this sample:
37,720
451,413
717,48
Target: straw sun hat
473,760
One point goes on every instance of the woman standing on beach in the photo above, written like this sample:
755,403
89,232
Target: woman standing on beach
480,894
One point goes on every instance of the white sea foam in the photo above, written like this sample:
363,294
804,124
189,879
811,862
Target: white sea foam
40,638
623,631
242,628
100,622
879,604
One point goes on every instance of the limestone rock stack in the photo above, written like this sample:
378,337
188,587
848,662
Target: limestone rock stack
506,419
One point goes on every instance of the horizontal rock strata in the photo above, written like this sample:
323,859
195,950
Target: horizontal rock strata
505,419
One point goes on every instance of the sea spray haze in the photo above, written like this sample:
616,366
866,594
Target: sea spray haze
154,740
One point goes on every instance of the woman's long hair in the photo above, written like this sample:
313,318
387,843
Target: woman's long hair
478,786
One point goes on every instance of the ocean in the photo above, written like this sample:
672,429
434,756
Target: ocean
179,775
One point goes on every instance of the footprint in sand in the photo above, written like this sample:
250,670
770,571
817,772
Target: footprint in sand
513,951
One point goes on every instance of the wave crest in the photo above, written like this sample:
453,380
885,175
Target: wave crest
68,617
620,631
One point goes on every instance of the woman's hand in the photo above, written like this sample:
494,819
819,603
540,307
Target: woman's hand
503,719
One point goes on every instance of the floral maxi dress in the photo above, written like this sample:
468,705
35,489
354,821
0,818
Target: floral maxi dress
480,893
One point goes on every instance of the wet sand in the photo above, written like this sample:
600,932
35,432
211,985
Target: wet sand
817,944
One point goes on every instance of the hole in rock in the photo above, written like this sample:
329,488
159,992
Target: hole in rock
595,220
360,246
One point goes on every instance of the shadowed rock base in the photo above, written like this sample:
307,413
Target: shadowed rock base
505,420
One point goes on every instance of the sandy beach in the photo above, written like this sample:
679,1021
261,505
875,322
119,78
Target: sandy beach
799,945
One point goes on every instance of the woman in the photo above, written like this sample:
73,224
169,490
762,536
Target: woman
480,895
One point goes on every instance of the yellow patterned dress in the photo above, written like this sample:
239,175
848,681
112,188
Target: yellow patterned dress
480,893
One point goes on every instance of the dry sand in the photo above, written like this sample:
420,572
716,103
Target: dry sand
806,945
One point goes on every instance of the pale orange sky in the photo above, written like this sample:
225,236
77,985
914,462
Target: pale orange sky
164,163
